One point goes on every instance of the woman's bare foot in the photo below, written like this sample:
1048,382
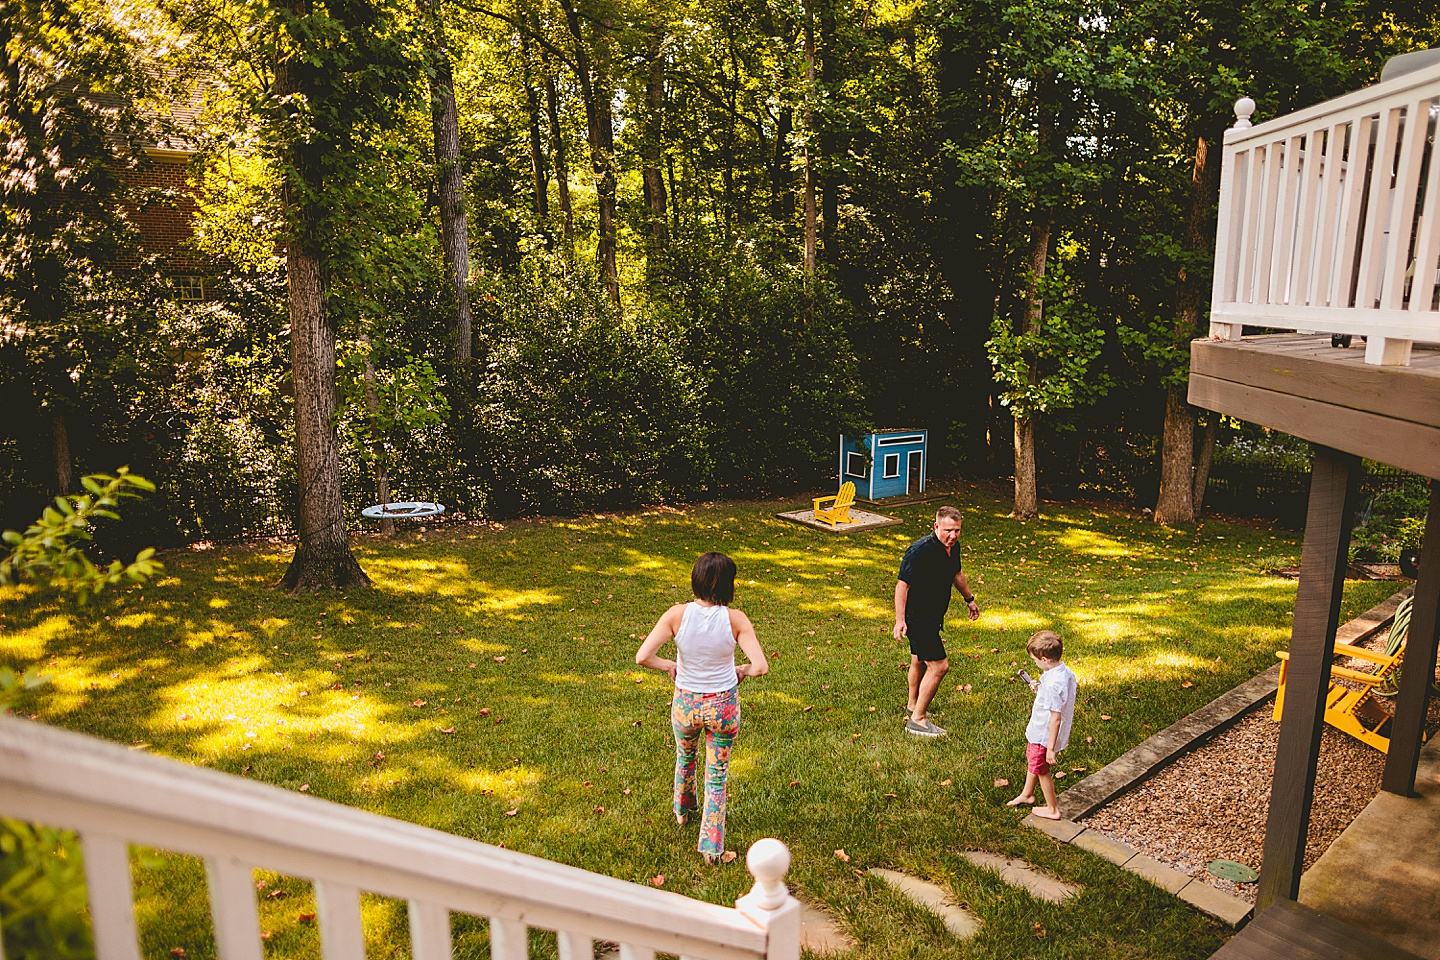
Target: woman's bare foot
1020,800
682,818
1045,813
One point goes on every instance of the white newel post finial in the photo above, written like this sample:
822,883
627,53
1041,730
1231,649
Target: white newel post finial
1244,110
769,904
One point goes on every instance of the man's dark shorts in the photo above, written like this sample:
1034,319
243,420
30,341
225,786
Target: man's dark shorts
925,642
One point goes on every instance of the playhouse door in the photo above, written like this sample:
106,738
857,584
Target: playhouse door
914,476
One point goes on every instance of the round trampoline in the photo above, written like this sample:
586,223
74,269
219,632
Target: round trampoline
408,510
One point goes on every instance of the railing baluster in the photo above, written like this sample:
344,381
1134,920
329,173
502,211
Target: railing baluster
1312,185
1269,222
1254,188
508,939
232,907
1350,238
342,933
112,904
1402,209
1422,287
1280,288
429,931
628,951
1376,219
1327,233
574,946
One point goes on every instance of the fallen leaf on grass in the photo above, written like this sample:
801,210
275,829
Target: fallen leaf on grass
794,783
1077,769
277,895
842,856
499,659
728,856
419,703
177,951
484,711
266,934
305,917
892,796
1089,739
1001,782
511,813
808,709
658,880
1187,684
1106,716
304,788
1059,774
599,809
1039,930
447,729
945,782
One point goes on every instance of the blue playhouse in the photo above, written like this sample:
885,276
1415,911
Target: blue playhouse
889,463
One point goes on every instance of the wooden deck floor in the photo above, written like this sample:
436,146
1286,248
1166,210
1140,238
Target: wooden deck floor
1302,386
1291,931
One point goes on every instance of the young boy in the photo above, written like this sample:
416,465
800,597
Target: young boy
1049,729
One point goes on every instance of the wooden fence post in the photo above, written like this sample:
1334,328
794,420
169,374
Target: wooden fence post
1408,726
1323,560
769,904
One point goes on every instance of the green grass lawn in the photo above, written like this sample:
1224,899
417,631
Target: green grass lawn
520,639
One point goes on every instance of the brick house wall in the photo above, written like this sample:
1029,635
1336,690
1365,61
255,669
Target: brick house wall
166,224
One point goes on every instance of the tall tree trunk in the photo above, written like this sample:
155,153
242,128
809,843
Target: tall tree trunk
782,198
1176,503
652,143
60,447
1203,461
593,74
829,152
562,169
1027,499
540,176
377,446
454,231
323,560
809,142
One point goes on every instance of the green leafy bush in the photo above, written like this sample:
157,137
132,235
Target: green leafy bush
50,552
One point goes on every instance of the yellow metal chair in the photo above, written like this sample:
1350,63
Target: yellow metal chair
1353,710
839,509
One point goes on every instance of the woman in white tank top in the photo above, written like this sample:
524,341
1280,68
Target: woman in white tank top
707,681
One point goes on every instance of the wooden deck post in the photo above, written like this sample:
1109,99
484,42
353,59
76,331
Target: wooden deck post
1323,559
1408,726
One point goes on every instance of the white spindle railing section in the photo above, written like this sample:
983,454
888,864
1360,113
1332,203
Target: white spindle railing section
1328,219
114,798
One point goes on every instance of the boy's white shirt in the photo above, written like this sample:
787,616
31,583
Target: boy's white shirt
1055,691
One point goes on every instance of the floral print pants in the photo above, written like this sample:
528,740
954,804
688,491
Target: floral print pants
717,717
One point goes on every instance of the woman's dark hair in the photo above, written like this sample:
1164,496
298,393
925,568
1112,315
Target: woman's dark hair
713,578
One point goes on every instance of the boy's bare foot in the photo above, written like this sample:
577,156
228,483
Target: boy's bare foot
1045,813
1022,799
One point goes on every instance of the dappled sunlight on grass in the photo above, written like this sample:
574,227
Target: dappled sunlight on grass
33,642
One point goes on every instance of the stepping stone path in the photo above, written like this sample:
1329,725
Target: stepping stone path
819,933
959,921
1018,873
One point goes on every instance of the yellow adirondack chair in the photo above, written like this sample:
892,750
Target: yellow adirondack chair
1356,711
839,509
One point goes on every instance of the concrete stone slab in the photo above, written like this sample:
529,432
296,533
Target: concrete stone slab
1104,846
859,520
821,933
1062,830
959,921
1166,878
1217,903
1020,874
1382,875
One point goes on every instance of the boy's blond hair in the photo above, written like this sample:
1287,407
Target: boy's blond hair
1046,645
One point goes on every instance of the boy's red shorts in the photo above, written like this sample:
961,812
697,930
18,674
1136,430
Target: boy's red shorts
1035,759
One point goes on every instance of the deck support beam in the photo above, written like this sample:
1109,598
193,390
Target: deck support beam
1323,560
1408,726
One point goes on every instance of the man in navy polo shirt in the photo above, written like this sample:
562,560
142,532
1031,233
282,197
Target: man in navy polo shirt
922,595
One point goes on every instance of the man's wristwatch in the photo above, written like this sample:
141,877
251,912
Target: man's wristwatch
970,599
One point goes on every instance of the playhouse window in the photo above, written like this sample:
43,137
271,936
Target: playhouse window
892,465
854,464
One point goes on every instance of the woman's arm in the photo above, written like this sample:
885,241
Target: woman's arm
750,644
663,632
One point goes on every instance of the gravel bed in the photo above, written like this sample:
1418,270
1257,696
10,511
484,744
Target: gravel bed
1211,803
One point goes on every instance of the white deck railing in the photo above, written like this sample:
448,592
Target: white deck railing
1328,219
113,797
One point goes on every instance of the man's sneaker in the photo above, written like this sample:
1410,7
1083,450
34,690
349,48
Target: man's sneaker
924,729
